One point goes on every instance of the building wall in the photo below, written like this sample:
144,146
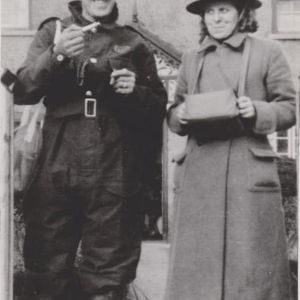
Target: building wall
171,22
168,19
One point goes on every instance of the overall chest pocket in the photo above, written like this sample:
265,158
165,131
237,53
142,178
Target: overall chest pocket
262,170
118,62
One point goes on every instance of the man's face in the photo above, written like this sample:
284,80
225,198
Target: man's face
93,9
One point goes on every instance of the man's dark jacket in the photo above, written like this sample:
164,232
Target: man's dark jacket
132,122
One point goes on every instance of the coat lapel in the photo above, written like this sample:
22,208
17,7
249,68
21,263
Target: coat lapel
195,76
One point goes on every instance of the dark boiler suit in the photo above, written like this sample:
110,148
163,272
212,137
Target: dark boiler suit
87,186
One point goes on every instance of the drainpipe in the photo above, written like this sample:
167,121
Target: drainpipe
135,18
6,192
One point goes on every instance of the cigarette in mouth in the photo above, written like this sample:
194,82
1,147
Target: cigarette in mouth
90,26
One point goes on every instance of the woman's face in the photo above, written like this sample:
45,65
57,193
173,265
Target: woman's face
93,9
221,19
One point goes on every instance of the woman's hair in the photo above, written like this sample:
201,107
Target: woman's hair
248,23
112,17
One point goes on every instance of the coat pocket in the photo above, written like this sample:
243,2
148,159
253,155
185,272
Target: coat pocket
179,170
262,170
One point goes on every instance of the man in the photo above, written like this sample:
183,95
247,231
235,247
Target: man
105,106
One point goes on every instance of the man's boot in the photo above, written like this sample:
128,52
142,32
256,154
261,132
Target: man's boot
117,294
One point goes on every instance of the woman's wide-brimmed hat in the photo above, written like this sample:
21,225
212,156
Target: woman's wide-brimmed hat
197,7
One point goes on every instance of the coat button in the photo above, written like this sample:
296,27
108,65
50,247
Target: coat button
60,57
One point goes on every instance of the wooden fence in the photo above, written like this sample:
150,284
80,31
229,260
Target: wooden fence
6,195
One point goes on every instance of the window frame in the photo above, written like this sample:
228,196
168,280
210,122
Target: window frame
275,24
15,27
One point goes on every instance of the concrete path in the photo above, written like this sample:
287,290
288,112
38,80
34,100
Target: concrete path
152,272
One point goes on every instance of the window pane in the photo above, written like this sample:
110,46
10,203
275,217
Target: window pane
282,146
14,14
284,7
297,6
297,22
282,133
285,23
288,15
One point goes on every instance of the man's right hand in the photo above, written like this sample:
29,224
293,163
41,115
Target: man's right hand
71,42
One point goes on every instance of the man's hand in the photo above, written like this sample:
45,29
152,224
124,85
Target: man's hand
123,81
71,42
246,107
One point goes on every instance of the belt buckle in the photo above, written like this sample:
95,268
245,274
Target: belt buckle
90,107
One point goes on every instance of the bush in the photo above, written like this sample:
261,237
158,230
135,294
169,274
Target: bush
287,171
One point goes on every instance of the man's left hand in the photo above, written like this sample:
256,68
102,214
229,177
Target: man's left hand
123,81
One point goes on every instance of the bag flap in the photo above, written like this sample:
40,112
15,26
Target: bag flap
267,153
212,106
210,96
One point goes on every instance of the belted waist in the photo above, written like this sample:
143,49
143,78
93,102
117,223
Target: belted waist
79,107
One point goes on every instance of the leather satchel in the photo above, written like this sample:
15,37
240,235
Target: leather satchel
212,106
218,105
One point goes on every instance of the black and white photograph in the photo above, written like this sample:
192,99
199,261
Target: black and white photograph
149,149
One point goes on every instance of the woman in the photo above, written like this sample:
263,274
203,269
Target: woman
105,106
229,239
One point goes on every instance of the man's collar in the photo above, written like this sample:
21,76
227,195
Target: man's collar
235,41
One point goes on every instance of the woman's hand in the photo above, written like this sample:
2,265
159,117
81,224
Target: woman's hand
246,107
71,42
181,114
123,81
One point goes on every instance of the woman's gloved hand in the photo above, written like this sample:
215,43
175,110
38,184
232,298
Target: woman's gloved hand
246,107
71,42
181,114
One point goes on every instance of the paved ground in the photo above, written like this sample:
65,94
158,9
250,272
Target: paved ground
152,271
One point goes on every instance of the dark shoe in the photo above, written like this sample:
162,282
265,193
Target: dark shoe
119,294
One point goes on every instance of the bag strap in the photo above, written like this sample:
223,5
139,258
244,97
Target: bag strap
243,75
197,78
245,64
57,31
244,69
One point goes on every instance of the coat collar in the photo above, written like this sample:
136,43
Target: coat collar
235,42
75,8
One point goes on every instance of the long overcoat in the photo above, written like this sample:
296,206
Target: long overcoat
229,238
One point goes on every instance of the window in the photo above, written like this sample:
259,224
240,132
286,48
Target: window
287,16
284,143
15,14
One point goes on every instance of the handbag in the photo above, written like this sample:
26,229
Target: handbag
28,140
212,106
218,105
